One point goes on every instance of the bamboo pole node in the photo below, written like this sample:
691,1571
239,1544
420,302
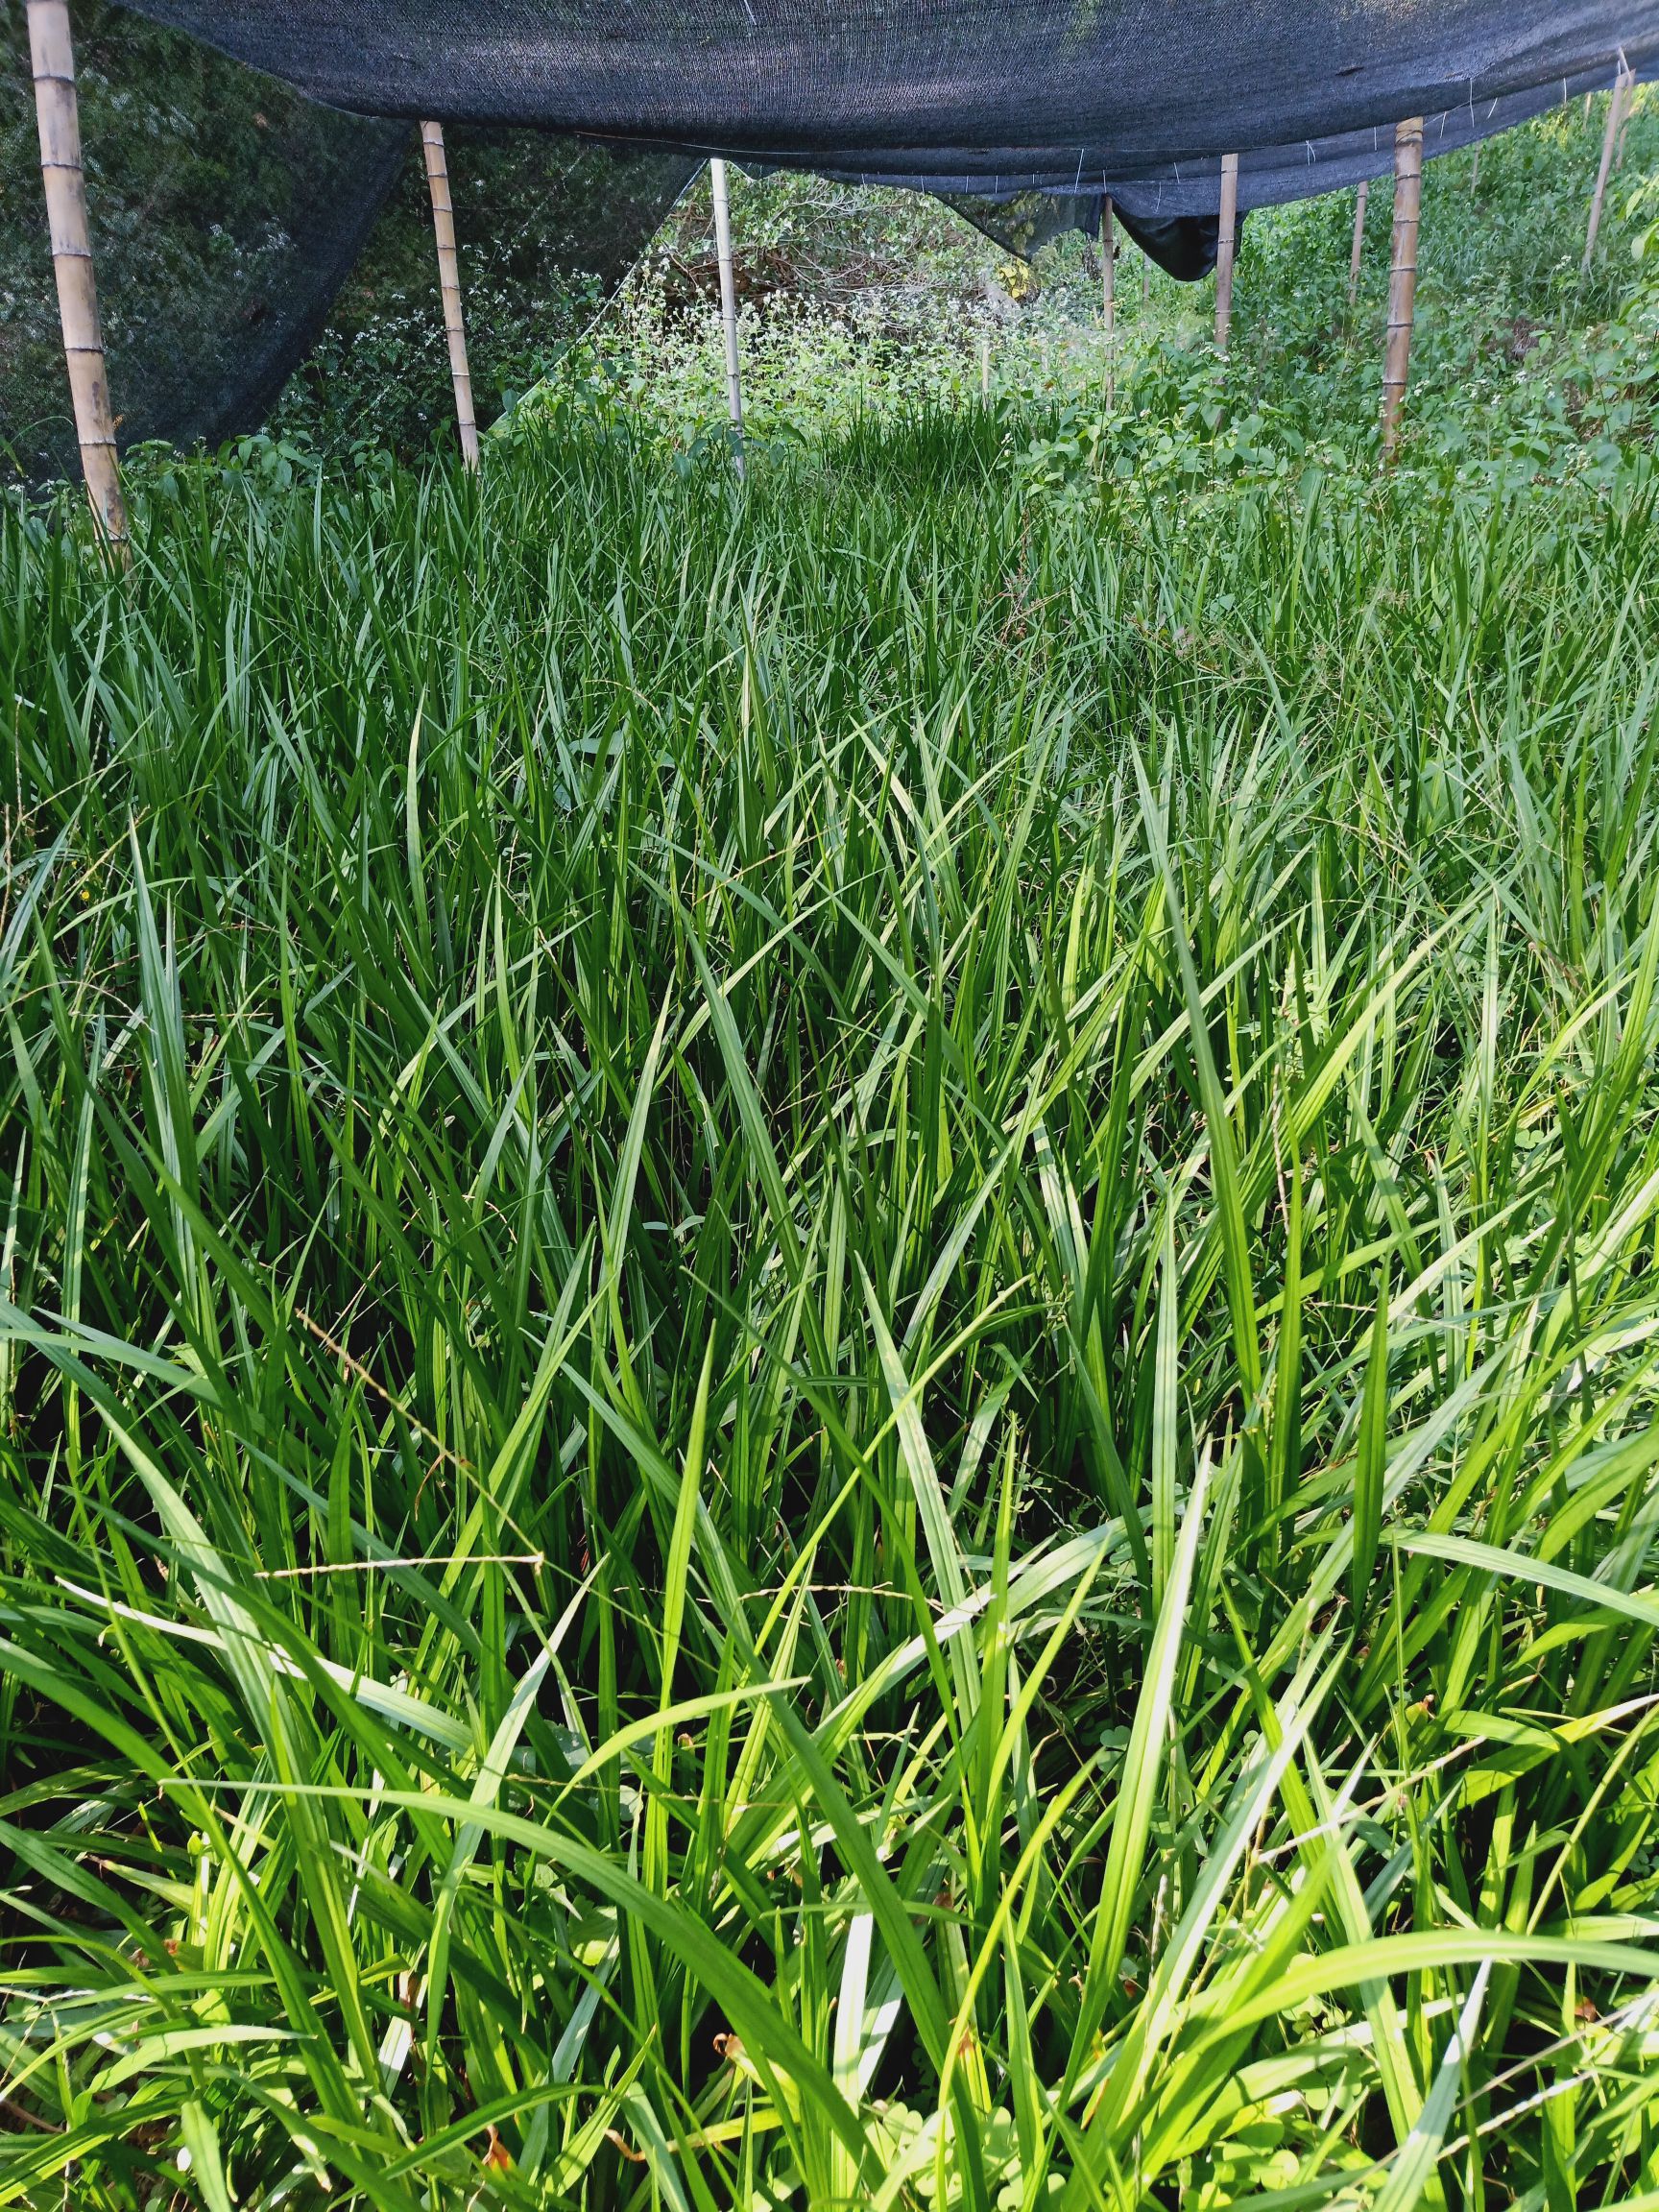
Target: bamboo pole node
1226,251
720,188
1401,277
449,286
1623,84
1356,260
57,111
1108,296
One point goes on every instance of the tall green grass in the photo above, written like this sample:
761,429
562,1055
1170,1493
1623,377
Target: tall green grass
830,1343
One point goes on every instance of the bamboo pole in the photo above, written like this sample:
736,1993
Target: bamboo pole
450,285
1401,277
1108,296
1363,200
728,300
1226,250
57,111
1621,85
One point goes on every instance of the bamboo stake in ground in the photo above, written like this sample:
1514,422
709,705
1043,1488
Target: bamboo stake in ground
728,300
1226,250
1357,257
450,285
1109,297
1621,88
1402,276
53,55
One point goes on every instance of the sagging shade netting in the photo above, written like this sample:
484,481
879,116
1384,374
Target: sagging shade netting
1139,98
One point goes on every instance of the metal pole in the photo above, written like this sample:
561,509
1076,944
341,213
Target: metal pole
1361,203
1108,296
1610,139
1402,276
1226,250
728,300
52,54
450,285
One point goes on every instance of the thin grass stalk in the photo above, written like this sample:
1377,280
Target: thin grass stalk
450,285
1624,145
1226,251
1108,296
1616,104
718,186
52,54
1361,202
1401,277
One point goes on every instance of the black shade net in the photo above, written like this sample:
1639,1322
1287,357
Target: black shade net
1182,245
547,228
984,100
227,211
1136,97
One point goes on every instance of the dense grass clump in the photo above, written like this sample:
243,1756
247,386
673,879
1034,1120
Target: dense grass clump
829,1353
